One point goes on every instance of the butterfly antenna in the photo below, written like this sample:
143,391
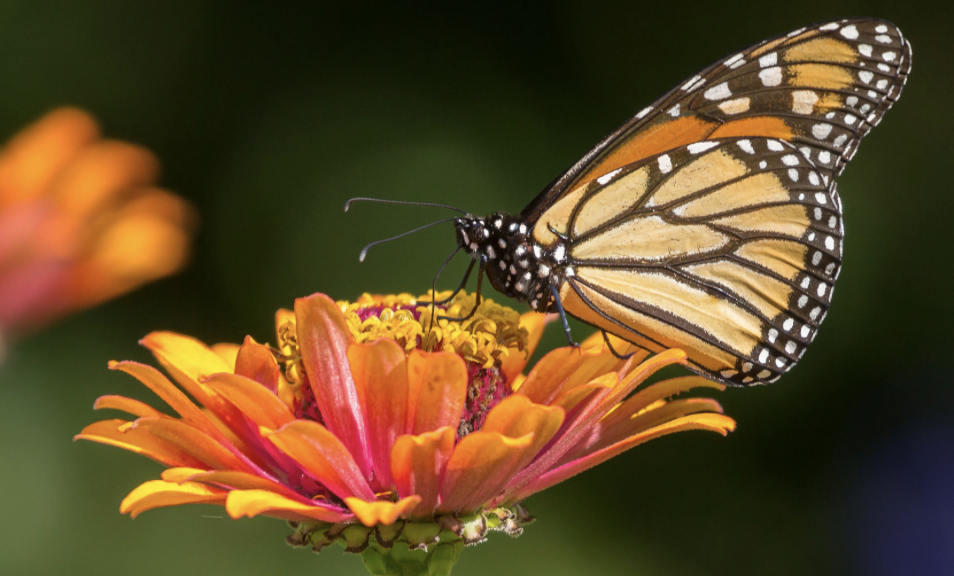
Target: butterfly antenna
364,251
383,201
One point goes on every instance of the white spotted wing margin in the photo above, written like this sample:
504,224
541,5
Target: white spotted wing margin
821,88
727,249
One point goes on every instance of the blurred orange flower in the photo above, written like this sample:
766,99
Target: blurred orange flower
403,435
80,220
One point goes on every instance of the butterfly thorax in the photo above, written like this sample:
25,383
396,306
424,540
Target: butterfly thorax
516,266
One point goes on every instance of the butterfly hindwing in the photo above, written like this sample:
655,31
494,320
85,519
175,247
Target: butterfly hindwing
820,88
728,249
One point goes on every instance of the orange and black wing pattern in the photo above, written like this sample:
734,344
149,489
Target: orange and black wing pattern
711,222
821,88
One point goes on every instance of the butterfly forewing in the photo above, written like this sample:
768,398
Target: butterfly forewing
727,249
820,88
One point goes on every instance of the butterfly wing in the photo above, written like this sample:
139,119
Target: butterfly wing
821,88
727,249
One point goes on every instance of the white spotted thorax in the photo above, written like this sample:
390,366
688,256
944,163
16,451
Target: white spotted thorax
516,266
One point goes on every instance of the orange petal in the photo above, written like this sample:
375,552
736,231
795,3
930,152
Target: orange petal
481,465
381,512
379,370
417,463
129,252
101,174
257,363
517,416
159,493
242,481
516,361
620,429
659,391
128,405
172,396
180,474
323,338
581,420
545,382
323,457
257,402
193,441
251,503
34,157
187,360
227,352
438,388
706,421
140,442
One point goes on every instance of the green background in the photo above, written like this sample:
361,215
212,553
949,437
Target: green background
269,115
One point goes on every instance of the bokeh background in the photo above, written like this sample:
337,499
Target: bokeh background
268,115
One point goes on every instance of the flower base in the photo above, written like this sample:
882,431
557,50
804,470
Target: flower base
412,548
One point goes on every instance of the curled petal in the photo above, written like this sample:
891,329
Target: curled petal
323,338
517,416
128,405
140,442
382,512
257,402
380,377
159,493
251,503
323,457
417,463
257,363
707,421
437,390
482,463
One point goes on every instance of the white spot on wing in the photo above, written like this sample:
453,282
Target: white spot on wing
768,60
746,146
737,106
831,26
718,92
790,160
665,163
803,101
850,32
608,176
698,147
775,146
821,131
644,111
865,49
771,76
674,111
866,76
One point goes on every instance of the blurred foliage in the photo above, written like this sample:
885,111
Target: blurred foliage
269,115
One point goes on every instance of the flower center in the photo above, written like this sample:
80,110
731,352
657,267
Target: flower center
483,338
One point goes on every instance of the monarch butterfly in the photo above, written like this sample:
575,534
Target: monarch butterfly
709,221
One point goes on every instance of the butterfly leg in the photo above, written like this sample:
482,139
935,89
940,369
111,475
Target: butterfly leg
480,279
463,282
566,325
613,350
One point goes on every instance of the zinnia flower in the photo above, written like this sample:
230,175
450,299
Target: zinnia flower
80,221
402,435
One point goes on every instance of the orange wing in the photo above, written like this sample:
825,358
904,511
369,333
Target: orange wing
820,88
